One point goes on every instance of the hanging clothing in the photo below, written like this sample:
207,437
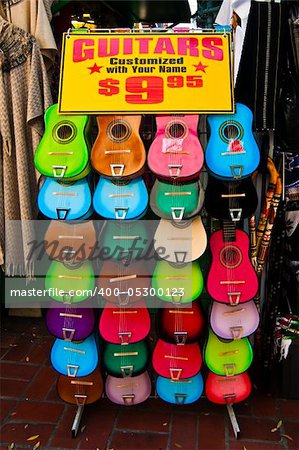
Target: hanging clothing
224,16
24,97
258,80
34,16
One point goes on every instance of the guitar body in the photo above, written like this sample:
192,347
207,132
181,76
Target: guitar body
65,201
120,200
232,152
125,240
176,362
234,322
182,392
177,284
120,283
172,200
63,152
184,241
181,324
227,390
176,152
76,284
75,359
231,200
81,390
118,151
126,360
125,325
227,358
128,391
231,278
69,323
70,242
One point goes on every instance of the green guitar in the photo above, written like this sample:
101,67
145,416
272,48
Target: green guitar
177,283
227,358
176,201
63,151
126,360
125,240
70,285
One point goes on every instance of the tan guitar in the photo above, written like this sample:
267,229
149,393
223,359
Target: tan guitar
184,240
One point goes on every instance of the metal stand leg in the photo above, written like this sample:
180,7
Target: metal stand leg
77,420
233,421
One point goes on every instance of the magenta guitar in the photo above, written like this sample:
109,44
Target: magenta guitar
231,278
176,152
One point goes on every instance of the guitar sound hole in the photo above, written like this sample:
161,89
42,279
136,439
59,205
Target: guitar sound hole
231,132
119,131
64,132
230,257
177,130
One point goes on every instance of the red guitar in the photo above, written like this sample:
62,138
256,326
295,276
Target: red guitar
227,390
231,278
181,323
125,325
177,361
176,152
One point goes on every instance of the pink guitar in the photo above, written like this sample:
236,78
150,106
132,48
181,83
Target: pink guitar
231,278
176,152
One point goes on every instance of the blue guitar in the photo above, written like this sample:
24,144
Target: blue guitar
232,152
75,359
65,201
180,392
120,199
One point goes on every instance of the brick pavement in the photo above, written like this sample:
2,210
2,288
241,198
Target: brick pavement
30,406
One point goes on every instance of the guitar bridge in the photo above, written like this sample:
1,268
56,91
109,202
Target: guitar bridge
237,171
56,169
235,214
234,298
177,213
174,170
121,213
117,170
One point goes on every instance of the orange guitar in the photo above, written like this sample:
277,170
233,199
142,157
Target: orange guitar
118,151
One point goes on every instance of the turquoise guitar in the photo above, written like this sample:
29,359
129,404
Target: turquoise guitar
120,200
65,201
75,359
180,392
232,152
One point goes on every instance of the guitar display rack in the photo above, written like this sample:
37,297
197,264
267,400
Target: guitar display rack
77,420
230,411
233,421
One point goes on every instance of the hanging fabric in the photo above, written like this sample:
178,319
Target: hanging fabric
34,16
24,96
258,80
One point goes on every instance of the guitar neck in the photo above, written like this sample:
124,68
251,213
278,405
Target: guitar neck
229,231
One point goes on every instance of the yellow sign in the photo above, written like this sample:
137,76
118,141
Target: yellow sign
167,73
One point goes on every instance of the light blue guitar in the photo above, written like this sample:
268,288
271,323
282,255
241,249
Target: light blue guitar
232,152
65,201
180,392
75,359
120,199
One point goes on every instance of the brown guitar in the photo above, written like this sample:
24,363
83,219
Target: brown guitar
70,242
80,390
118,151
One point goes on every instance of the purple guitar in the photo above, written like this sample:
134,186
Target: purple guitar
69,323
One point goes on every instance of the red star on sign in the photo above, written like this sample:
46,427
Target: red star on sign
200,66
95,68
